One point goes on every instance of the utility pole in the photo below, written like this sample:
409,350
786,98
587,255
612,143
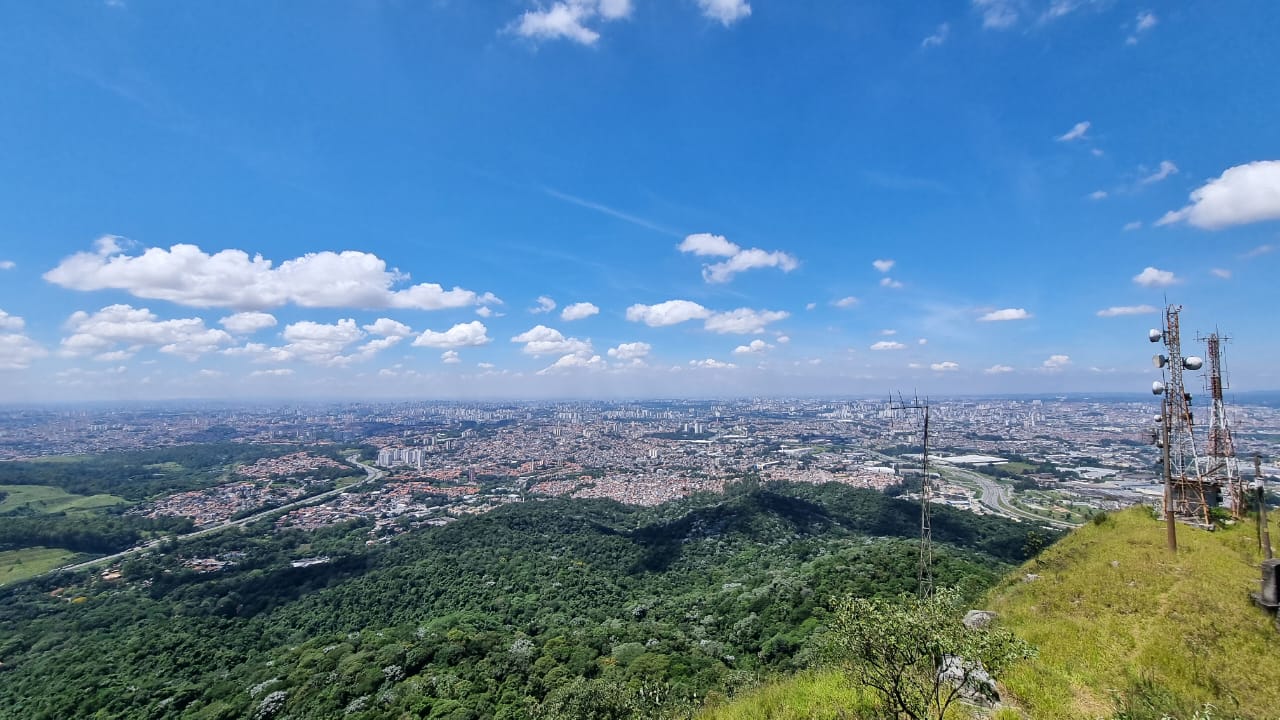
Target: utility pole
1264,532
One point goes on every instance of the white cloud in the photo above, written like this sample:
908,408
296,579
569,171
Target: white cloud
387,327
1077,132
278,372
1006,314
753,348
114,356
11,322
1166,169
1242,194
666,313
751,259
186,275
998,370
810,306
630,351
945,366
578,311
1258,252
567,19
484,311
1126,310
889,282
450,357
783,339
7,265
545,305
260,353
575,361
1055,363
938,37
997,14
846,302
743,321
1098,195
712,364
883,266
471,334
542,340
727,12
247,323
1135,225
888,332
1151,277
17,351
706,244
125,325
1145,21
1222,273
324,344
888,345
922,341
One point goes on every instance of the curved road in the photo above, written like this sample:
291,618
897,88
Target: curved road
372,474
997,498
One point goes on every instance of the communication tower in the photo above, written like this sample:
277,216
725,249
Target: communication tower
1220,463
1188,495
924,571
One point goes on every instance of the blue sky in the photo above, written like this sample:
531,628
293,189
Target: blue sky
630,197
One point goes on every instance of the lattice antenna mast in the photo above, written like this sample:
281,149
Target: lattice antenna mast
1221,463
1185,489
924,571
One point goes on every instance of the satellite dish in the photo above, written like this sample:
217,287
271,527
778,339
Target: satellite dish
1155,335
1159,360
1157,387
1192,363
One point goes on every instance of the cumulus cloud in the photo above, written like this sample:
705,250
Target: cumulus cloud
888,331
386,327
247,323
755,347
1125,310
1098,195
578,311
1077,132
1145,21
7,265
726,12
998,370
1166,169
846,302
1055,363
18,351
889,282
471,334
450,357
997,14
1152,277
1221,273
116,325
1135,225
324,344
743,321
542,340
575,361
1006,314
545,305
568,20
277,372
888,345
627,352
945,366
671,312
712,364
1242,194
1257,252
938,37
186,275
883,266
738,260
11,322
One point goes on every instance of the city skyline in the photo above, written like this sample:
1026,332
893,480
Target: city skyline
608,198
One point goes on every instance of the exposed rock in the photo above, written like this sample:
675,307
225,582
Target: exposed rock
975,683
1030,577
979,619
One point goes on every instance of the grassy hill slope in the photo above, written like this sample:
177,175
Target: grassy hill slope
1123,625
1123,629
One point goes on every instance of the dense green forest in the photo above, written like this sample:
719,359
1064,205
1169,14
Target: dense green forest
562,608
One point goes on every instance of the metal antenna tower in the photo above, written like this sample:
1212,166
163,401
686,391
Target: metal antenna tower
1221,464
1185,489
924,571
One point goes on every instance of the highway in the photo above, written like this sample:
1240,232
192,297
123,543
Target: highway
372,474
997,497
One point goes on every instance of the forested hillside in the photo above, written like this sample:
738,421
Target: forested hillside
563,608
